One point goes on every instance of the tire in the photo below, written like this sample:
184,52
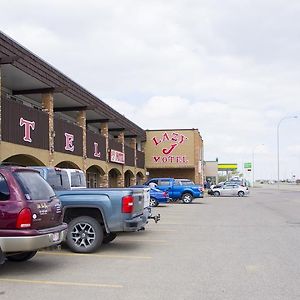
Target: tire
241,194
109,237
187,198
153,202
21,256
85,235
216,194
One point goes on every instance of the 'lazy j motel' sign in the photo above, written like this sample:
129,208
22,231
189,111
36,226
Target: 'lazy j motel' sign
169,148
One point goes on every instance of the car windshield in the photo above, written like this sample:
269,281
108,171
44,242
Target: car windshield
34,186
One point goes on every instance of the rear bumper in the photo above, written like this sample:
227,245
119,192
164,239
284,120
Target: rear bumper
31,243
137,223
163,200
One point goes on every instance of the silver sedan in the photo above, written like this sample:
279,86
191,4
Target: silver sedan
230,190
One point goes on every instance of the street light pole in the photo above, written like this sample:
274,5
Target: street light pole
278,125
253,162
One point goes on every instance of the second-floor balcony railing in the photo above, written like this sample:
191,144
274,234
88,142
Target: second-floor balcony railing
140,159
22,124
129,156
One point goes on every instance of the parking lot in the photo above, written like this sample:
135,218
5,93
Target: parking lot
214,248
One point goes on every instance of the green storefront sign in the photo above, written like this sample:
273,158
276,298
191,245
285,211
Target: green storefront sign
247,165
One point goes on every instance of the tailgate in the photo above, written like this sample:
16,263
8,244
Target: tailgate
45,214
139,201
146,197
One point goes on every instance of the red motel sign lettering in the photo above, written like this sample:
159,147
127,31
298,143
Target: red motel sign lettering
28,126
117,157
69,142
170,141
97,153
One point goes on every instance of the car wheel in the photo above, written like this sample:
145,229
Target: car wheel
186,198
153,202
109,237
22,256
84,235
216,194
241,194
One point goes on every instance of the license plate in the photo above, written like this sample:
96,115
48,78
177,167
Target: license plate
55,236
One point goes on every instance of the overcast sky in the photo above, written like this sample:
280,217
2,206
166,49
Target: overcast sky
230,68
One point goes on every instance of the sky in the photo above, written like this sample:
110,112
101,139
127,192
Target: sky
230,68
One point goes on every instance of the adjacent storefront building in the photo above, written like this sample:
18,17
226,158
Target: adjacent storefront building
211,172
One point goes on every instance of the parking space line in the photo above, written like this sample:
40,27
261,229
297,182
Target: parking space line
167,223
252,268
143,240
164,230
63,283
62,253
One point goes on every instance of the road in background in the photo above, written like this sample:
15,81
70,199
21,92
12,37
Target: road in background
215,248
282,186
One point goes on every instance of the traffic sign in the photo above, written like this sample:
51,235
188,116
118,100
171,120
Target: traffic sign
247,165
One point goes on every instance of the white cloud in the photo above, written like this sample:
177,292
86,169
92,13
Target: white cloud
294,150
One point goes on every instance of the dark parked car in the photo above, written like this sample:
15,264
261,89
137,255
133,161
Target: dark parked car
31,214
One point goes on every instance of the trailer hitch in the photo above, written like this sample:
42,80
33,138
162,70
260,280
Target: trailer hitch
156,218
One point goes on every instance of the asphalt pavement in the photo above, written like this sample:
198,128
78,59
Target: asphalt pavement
215,248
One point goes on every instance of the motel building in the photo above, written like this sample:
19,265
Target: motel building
49,120
176,153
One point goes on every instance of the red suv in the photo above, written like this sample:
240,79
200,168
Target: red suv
30,214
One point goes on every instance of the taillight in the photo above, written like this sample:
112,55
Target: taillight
127,204
24,219
165,194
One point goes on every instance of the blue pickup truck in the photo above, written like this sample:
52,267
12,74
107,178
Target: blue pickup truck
183,189
96,216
